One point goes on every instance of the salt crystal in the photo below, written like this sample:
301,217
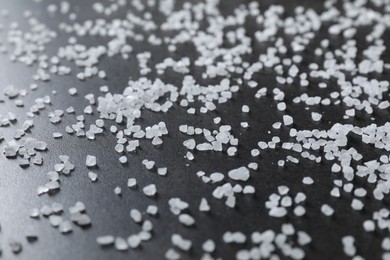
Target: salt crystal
316,116
186,219
131,183
105,240
178,241
245,109
307,180
118,191
152,210
90,161
136,215
241,174
287,120
204,206
150,190
92,176
208,246
327,210
121,244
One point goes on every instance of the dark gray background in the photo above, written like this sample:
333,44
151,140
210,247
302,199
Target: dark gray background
110,213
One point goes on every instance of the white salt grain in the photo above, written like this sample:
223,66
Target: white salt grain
239,174
204,206
136,215
186,219
92,176
105,240
307,180
90,161
131,183
287,120
150,190
327,210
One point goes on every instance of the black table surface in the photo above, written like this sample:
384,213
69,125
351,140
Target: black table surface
110,213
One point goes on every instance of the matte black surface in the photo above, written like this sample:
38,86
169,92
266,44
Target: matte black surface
110,213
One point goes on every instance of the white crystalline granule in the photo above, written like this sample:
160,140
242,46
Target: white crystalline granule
239,174
189,144
303,238
121,244
335,192
57,207
277,212
105,240
369,225
177,205
357,204
162,171
245,109
123,159
72,91
181,243
136,215
92,176
186,219
307,180
237,188
134,241
65,227
34,213
145,236
147,226
283,190
216,177
217,120
83,220
57,135
350,112
152,210
299,211
253,166
118,191
190,156
55,220
231,151
208,246
90,161
157,140
234,237
78,207
171,254
386,244
204,206
348,245
287,120
360,192
244,124
248,189
191,111
316,116
99,123
288,229
204,147
281,106
286,201
335,167
276,125
46,210
327,210
150,190
131,182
